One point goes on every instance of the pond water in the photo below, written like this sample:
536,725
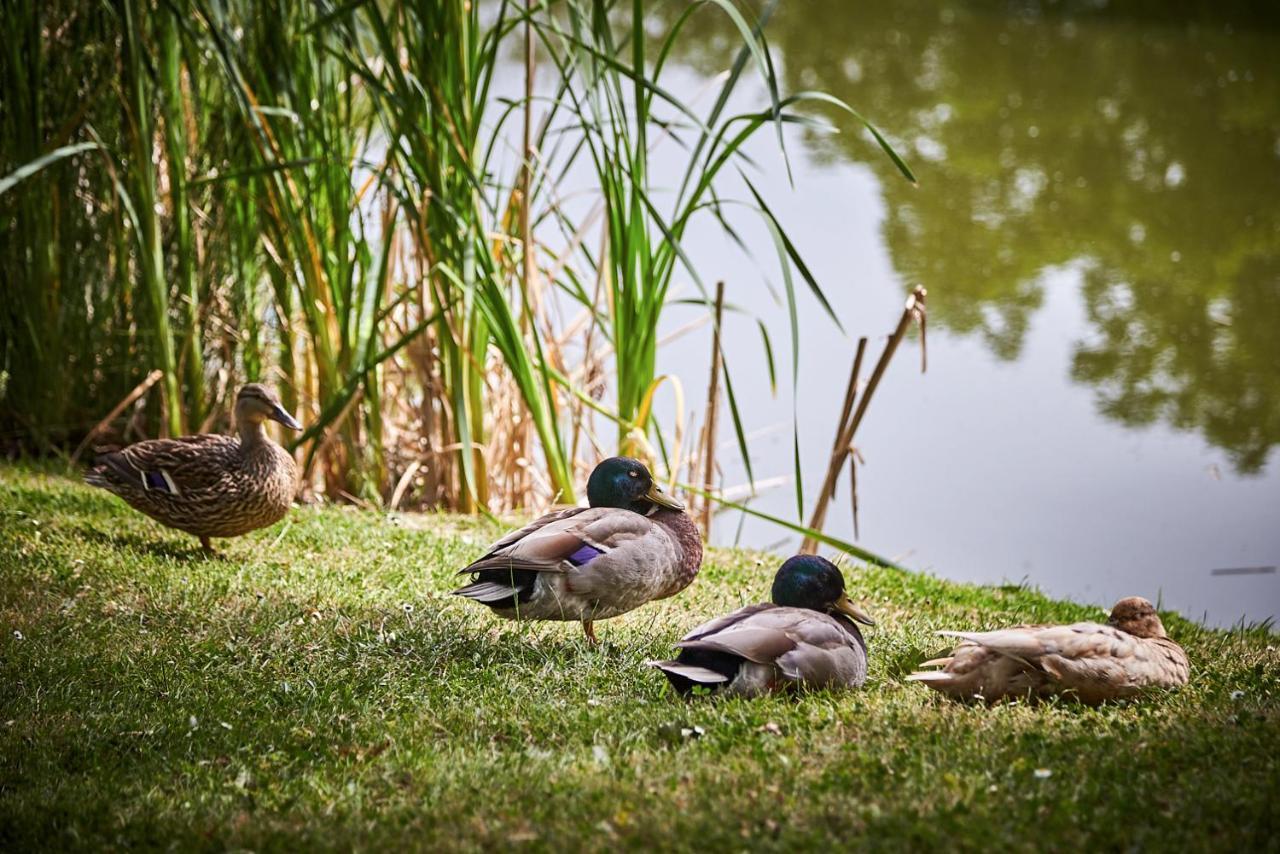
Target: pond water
1098,225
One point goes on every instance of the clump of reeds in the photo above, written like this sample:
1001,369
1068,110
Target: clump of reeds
329,197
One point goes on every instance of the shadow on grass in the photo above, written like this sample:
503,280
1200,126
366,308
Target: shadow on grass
130,542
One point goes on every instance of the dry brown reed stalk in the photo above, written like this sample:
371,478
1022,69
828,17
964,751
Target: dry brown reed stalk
842,449
138,391
327,450
713,406
841,442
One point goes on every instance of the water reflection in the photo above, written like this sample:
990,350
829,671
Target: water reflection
1140,144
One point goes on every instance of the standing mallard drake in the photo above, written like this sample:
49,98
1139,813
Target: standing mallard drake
633,544
804,639
209,485
1088,661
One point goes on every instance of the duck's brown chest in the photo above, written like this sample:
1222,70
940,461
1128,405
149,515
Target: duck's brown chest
689,541
257,494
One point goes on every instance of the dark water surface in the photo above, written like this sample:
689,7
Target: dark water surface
1098,225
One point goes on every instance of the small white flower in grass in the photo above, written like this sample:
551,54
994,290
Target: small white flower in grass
193,722
1043,773
601,754
1236,695
17,635
224,725
408,608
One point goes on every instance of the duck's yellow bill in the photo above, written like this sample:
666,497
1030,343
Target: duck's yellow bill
657,496
844,606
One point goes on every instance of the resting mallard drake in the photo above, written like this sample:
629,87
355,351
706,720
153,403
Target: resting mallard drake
633,544
805,639
209,485
1088,661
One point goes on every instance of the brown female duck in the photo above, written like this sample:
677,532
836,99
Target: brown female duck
209,485
633,544
1090,662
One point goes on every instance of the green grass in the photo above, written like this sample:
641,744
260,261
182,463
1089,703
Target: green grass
283,694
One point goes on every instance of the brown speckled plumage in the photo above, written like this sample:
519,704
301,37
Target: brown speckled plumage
208,485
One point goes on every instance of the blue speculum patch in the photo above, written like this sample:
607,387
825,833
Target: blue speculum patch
584,554
156,480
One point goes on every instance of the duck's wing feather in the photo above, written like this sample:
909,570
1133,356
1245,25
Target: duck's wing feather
558,541
1100,662
806,646
721,623
973,671
1076,641
536,525
173,466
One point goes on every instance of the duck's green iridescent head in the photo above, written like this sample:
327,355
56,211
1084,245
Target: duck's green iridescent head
626,483
809,581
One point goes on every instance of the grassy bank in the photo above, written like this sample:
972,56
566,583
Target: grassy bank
316,685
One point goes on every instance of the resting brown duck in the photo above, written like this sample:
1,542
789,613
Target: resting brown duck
209,485
805,639
1090,662
633,545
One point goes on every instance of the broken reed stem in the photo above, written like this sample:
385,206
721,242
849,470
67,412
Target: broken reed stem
914,310
839,448
853,487
402,485
138,391
713,407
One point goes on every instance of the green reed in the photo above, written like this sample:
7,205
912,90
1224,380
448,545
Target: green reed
329,196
